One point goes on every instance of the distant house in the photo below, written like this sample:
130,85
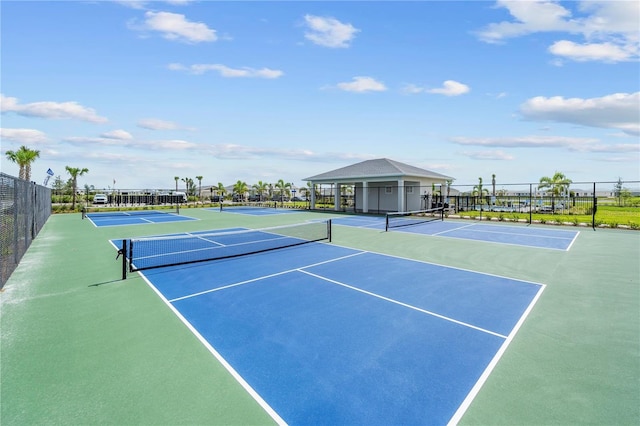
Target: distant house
381,185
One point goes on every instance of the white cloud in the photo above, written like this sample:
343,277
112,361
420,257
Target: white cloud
155,124
623,159
170,145
142,4
133,4
570,143
226,71
247,152
610,17
617,111
606,52
362,84
84,141
524,141
412,89
23,136
329,32
146,145
488,155
530,17
53,110
179,2
451,88
608,29
176,66
117,134
175,26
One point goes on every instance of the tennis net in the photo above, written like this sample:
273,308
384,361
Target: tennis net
162,251
400,219
249,205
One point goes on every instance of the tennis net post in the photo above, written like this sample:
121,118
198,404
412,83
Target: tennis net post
123,252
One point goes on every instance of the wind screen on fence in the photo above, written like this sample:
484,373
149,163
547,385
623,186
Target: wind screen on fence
156,252
24,209
400,219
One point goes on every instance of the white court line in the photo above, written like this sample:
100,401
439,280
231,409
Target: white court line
265,276
573,241
502,243
457,416
274,415
466,402
446,266
406,305
454,229
517,234
202,249
203,238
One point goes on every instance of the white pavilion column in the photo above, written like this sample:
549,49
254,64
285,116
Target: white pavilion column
365,197
400,195
312,201
336,197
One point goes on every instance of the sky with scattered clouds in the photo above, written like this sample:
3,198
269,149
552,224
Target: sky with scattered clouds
139,92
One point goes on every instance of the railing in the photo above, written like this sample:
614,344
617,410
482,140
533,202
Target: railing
613,204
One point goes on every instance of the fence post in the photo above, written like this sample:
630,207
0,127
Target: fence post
530,204
595,207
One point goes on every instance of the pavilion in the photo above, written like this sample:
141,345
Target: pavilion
382,185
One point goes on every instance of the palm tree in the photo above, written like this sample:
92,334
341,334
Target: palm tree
260,187
478,190
558,184
23,157
177,178
75,172
283,188
435,191
308,190
190,187
493,184
240,188
199,187
221,189
88,189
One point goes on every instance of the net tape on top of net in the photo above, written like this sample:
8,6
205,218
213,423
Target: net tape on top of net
400,219
155,252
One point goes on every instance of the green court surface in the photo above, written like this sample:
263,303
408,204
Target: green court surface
80,346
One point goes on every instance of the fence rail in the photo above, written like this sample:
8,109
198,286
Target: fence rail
24,209
578,203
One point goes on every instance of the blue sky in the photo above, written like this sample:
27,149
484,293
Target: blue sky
140,91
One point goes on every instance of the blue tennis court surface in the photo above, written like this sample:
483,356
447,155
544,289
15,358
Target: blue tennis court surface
135,217
323,334
529,236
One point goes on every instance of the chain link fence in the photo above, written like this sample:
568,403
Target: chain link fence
24,209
